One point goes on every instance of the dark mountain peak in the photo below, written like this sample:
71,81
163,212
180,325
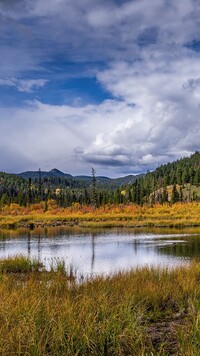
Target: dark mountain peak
53,173
57,172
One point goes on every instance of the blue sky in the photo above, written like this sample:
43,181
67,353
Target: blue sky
113,85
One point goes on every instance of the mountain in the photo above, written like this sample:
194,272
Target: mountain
101,181
175,181
43,174
184,170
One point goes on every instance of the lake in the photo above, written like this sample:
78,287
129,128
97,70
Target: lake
94,252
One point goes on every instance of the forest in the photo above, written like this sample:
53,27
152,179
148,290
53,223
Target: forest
171,182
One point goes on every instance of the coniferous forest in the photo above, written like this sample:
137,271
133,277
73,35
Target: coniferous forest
171,182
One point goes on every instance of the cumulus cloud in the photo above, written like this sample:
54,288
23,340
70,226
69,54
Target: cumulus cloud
164,123
46,135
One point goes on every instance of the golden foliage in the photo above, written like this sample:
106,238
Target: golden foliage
179,214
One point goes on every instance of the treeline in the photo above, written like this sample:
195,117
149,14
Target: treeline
166,184
65,192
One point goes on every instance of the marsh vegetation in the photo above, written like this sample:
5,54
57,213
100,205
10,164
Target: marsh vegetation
141,312
160,215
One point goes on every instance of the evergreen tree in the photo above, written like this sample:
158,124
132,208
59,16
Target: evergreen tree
164,195
175,195
94,191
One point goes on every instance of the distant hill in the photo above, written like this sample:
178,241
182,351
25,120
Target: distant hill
175,181
183,171
84,180
9,178
35,174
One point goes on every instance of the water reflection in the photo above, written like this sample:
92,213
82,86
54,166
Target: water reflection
103,251
93,253
189,248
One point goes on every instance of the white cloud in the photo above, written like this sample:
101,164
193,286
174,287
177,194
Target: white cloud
23,85
164,124
148,68
47,135
114,137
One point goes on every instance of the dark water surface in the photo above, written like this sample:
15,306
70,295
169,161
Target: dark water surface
104,251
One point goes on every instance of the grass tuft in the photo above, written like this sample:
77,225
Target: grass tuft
20,264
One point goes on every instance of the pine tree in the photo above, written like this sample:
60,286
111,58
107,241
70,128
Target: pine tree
94,191
175,195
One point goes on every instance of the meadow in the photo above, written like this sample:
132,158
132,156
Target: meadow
166,215
142,312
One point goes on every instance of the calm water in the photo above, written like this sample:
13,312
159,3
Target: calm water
104,251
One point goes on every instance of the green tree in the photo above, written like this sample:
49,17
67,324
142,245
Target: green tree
175,195
94,190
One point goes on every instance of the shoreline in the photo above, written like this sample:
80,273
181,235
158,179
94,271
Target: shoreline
180,215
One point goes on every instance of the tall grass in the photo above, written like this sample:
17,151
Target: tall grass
143,312
20,264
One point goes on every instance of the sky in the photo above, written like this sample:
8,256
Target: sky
109,84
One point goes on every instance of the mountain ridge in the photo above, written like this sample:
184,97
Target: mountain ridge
83,178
